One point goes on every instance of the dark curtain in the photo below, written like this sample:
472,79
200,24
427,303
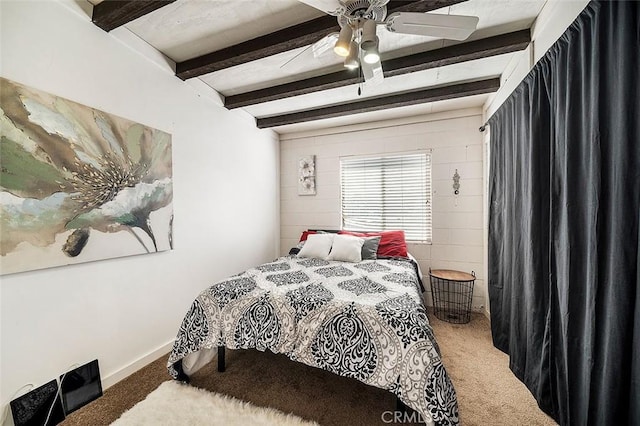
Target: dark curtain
564,222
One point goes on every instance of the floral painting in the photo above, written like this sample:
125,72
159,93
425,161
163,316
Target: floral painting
78,184
307,175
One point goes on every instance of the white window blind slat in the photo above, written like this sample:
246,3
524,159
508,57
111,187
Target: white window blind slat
390,192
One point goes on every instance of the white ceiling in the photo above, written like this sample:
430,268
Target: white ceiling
190,28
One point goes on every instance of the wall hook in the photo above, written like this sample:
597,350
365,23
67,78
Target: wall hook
456,183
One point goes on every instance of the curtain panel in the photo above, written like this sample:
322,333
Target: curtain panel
564,222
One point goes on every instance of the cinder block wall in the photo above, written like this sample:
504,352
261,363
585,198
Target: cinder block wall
455,143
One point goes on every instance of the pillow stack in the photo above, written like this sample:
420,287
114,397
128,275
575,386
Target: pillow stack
347,246
392,243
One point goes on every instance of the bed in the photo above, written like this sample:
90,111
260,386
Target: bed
359,319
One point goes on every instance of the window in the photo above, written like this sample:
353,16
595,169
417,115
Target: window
390,192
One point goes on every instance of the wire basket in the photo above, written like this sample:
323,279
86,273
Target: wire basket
452,293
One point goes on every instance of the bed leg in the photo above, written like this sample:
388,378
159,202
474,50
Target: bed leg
221,359
182,377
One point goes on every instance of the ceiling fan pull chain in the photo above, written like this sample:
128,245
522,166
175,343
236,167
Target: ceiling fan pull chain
305,49
360,77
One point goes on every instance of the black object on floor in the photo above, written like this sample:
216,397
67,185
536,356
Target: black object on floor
41,406
80,386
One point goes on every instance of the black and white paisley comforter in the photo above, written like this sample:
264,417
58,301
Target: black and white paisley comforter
362,320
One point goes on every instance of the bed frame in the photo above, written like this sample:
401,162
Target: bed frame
400,406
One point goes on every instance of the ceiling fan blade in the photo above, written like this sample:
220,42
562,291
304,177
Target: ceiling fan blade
453,27
331,7
320,49
324,45
373,74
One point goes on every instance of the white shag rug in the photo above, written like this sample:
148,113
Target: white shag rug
174,403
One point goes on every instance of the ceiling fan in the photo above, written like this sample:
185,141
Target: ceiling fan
358,42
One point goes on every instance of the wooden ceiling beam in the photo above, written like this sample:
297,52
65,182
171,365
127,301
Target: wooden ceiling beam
477,49
289,38
383,102
111,14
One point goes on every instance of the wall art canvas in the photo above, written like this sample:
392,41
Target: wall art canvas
307,175
78,184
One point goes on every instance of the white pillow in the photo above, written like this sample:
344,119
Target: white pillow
346,248
317,245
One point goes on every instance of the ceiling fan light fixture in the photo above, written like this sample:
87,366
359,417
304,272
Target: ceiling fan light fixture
371,55
369,38
344,41
351,61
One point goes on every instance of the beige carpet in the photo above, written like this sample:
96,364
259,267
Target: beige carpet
488,393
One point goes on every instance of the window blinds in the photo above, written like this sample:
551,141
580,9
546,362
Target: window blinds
390,192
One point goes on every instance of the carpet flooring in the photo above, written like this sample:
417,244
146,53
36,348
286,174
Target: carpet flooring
488,393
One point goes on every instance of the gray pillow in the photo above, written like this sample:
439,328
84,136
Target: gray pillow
370,248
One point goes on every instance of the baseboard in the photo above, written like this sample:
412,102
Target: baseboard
136,365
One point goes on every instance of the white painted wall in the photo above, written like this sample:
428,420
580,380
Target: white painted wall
126,311
455,142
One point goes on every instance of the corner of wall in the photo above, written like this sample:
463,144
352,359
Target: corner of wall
552,21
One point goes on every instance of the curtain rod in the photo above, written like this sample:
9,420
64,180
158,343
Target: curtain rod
483,127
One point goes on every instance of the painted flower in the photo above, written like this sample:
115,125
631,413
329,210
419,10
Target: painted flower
306,166
66,167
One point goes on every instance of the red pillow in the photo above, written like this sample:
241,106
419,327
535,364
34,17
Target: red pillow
392,243
306,234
